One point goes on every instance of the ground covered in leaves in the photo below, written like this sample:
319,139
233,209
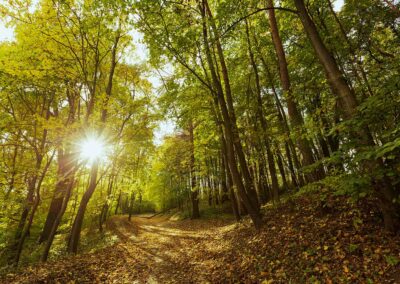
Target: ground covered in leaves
309,241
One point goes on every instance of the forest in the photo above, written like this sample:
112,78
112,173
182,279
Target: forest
200,141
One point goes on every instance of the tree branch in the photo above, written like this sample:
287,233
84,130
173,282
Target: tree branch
233,25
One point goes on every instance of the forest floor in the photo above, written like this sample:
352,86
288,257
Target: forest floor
304,242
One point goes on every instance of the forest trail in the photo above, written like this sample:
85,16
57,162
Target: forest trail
297,244
169,251
149,250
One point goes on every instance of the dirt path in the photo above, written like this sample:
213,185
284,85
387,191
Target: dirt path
299,244
150,250
173,251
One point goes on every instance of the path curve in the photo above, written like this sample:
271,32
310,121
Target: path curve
149,250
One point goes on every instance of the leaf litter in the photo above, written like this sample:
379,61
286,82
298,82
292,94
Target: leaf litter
310,242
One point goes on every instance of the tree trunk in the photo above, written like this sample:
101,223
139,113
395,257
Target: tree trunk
232,195
281,168
57,221
194,190
35,185
253,208
131,202
13,174
295,117
106,206
21,225
77,225
224,186
249,185
263,122
66,166
118,203
289,147
229,180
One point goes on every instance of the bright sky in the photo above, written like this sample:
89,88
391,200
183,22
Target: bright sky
166,127
338,5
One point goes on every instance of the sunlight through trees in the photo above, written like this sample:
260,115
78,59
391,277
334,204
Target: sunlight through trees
259,102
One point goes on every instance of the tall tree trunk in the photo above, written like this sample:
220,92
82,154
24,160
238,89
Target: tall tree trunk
66,164
263,122
36,184
57,221
73,240
13,174
263,184
252,208
77,225
249,185
194,191
106,205
289,146
281,167
118,203
295,117
21,225
222,173
232,194
225,163
131,202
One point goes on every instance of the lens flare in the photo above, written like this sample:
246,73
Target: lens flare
92,149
